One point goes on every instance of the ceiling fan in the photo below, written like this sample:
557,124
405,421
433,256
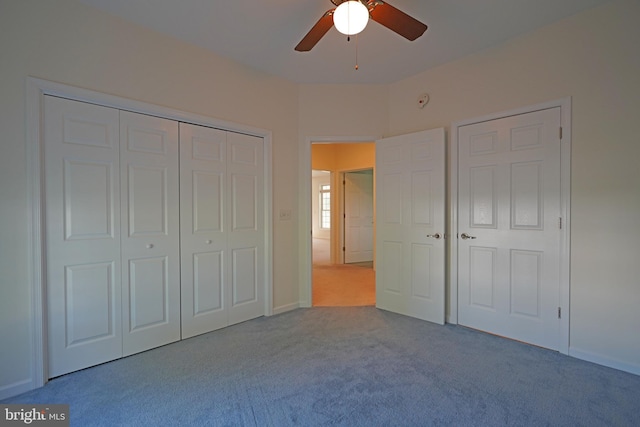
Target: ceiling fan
378,10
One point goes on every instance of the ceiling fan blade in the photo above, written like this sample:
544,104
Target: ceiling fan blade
317,32
396,20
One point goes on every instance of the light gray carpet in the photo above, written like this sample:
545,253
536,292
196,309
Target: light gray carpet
355,366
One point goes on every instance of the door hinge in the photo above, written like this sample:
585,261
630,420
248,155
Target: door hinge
560,133
559,313
560,223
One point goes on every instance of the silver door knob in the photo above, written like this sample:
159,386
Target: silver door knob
465,236
150,246
435,236
208,242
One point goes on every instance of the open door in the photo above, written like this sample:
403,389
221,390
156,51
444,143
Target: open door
410,211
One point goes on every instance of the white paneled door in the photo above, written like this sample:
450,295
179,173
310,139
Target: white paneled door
222,237
150,231
82,220
358,216
146,244
509,230
245,236
410,225
203,181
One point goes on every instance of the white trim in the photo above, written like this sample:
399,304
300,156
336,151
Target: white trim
633,368
452,230
35,91
304,207
35,226
16,388
565,208
267,186
565,234
285,308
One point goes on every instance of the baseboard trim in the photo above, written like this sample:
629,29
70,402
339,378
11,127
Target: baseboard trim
600,359
284,308
16,388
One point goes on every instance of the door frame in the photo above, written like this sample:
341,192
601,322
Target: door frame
305,240
36,89
565,210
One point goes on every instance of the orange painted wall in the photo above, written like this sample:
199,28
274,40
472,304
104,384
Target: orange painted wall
342,157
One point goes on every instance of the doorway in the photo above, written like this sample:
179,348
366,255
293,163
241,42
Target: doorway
341,219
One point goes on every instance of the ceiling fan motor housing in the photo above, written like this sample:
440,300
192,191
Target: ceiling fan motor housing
351,17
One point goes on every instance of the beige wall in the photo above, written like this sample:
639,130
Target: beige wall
594,58
67,42
343,111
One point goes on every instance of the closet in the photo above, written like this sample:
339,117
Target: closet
154,231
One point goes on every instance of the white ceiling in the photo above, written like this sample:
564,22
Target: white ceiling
262,34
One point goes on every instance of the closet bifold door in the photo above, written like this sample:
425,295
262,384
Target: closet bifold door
222,228
245,237
203,241
82,223
150,235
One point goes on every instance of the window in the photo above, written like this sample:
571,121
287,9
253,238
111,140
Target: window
325,206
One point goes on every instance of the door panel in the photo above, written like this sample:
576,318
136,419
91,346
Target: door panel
482,280
203,182
207,282
147,197
89,292
421,277
150,231
244,200
526,275
88,199
206,189
245,238
509,193
148,292
245,285
410,201
82,240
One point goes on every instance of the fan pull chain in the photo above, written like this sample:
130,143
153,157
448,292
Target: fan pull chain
356,52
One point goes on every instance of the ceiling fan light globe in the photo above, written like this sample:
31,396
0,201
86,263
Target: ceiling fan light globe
351,17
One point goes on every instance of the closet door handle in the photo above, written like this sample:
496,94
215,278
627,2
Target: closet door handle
465,236
150,246
208,242
435,236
